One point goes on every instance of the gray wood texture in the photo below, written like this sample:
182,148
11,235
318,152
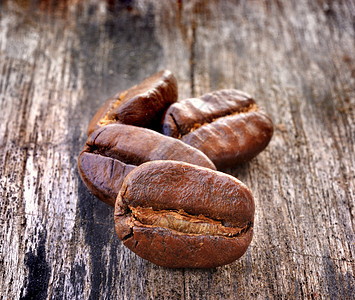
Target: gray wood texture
59,60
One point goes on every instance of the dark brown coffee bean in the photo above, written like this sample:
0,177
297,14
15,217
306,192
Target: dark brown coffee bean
226,125
103,175
111,152
179,215
142,105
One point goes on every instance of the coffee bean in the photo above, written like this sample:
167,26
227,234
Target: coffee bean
102,175
111,152
226,125
179,215
142,105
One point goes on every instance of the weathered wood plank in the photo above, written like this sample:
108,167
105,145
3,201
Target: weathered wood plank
60,61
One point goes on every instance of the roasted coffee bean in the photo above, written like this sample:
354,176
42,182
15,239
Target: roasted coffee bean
179,215
226,125
111,152
102,175
142,105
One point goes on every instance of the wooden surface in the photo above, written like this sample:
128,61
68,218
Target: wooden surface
60,60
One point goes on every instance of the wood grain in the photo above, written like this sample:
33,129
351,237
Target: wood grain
60,60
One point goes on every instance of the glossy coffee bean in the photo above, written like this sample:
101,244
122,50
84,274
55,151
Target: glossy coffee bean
111,152
142,105
179,215
227,125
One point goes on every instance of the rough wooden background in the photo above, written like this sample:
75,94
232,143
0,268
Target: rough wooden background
60,60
